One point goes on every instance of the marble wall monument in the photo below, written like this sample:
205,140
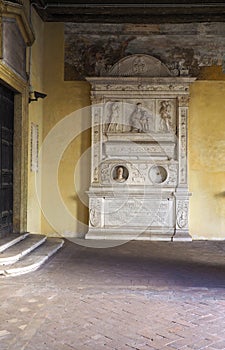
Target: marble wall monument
139,187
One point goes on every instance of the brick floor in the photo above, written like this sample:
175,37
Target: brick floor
141,295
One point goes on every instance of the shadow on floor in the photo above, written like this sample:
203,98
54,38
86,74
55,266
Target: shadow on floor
154,264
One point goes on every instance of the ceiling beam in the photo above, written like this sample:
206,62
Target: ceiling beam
145,12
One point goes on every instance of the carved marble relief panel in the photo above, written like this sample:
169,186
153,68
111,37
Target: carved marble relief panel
182,214
140,115
95,212
113,117
166,116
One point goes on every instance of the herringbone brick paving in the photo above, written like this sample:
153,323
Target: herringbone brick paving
141,295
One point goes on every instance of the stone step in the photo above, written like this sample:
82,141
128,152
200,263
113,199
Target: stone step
34,259
20,249
11,239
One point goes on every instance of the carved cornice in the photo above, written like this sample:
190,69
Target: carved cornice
119,85
12,79
140,80
13,10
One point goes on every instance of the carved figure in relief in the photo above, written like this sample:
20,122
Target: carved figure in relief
136,119
165,114
145,122
140,120
114,125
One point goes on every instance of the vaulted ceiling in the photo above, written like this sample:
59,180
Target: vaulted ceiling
130,11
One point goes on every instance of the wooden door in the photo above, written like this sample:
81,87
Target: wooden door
6,159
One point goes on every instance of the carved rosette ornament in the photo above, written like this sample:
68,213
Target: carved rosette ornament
183,101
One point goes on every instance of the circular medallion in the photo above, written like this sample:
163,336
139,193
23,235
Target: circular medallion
120,173
158,174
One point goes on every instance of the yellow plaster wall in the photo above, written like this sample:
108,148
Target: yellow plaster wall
35,116
206,141
207,159
63,99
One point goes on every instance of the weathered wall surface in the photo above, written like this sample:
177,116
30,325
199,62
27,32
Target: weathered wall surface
91,49
207,159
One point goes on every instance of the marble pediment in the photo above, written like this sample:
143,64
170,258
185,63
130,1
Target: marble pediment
139,65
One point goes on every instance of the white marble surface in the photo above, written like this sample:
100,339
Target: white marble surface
139,153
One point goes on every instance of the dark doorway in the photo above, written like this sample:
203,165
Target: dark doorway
6,159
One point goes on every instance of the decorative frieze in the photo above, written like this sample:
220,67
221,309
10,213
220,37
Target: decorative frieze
141,85
149,173
183,145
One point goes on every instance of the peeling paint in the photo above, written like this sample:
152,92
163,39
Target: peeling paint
183,48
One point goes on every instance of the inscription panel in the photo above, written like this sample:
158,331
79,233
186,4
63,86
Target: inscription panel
139,212
143,150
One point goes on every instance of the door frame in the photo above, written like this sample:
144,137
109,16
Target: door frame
20,146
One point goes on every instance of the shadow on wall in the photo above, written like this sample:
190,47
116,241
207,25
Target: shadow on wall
220,195
81,197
